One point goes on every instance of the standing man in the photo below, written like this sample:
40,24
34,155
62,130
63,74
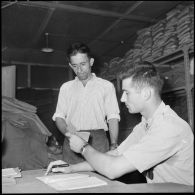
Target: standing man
161,146
86,104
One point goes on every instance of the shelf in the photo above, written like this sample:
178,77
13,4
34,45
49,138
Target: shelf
174,55
177,89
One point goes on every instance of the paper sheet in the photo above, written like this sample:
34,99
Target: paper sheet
71,181
11,172
83,135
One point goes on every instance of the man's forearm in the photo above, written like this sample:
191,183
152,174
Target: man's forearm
113,130
61,125
83,166
95,159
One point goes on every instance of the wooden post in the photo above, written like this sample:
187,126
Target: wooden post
188,87
9,81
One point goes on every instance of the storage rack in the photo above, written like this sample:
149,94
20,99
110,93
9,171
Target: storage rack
184,53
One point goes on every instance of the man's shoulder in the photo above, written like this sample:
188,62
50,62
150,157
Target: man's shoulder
104,81
67,84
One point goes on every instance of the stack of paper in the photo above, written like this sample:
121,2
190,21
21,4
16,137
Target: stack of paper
9,175
83,135
71,181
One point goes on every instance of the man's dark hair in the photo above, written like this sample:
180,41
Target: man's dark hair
144,74
78,47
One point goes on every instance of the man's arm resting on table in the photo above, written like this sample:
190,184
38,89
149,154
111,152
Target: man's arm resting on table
83,166
113,131
113,166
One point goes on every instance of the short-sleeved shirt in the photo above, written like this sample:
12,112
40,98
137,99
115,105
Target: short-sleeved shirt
165,143
87,107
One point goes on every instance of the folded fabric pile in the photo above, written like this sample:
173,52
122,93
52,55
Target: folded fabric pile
158,31
143,44
160,39
24,136
113,67
20,112
185,25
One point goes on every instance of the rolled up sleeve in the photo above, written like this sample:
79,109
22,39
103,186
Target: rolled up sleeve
111,104
61,108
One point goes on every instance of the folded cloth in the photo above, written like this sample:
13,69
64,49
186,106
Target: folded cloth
16,105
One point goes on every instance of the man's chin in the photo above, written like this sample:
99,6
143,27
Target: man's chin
82,78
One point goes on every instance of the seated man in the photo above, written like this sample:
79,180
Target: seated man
160,146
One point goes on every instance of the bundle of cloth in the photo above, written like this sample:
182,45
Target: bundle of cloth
24,136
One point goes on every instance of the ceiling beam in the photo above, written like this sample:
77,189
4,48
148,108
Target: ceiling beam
84,10
9,4
12,62
132,8
43,25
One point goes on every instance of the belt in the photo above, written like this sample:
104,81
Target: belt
91,130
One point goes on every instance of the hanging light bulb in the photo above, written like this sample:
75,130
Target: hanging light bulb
47,49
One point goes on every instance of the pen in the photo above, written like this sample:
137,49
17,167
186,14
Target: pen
58,166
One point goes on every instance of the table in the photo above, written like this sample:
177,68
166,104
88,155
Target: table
29,184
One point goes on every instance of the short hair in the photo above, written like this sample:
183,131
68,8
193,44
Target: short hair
145,74
78,47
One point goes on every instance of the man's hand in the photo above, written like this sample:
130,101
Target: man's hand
113,146
62,169
75,142
57,162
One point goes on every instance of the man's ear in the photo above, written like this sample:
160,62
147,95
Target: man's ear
91,61
146,92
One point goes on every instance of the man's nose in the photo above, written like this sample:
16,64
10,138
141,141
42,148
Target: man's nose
123,97
79,68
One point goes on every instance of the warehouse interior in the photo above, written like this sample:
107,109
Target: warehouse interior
36,35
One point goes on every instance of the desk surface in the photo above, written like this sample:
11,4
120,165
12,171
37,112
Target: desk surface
29,184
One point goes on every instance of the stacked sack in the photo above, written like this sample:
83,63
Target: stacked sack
158,31
142,45
171,40
185,25
160,39
112,67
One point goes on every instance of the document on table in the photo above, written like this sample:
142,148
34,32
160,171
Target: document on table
71,181
83,135
11,172
9,175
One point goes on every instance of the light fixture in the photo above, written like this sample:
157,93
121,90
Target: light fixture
47,49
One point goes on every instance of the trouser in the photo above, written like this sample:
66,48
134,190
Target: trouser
98,139
133,177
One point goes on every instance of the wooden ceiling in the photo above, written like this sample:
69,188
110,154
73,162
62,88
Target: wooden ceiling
108,27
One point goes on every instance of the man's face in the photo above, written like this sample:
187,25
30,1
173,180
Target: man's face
81,65
131,96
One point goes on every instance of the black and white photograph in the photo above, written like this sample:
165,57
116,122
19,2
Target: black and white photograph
97,97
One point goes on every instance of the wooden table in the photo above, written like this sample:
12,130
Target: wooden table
29,184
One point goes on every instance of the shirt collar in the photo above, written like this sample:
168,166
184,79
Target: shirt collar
92,78
159,110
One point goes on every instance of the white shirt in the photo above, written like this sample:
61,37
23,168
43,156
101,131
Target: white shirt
166,144
87,108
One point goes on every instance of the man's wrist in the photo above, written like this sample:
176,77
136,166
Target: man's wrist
114,145
83,147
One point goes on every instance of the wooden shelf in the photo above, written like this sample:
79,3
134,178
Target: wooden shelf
174,55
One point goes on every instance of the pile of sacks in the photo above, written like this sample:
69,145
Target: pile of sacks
24,136
162,38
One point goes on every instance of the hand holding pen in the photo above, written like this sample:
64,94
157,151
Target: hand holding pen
58,166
